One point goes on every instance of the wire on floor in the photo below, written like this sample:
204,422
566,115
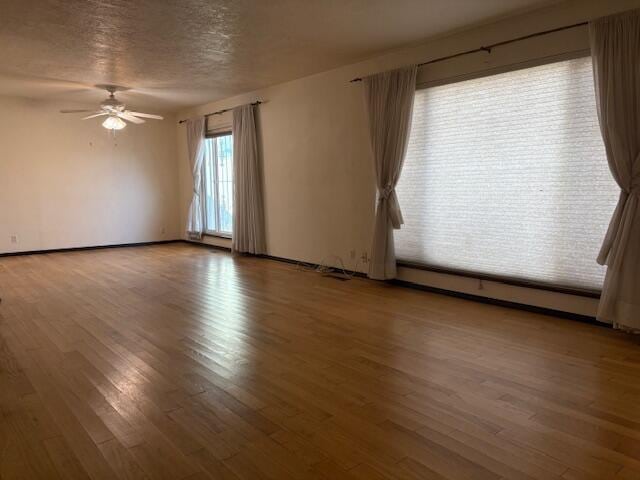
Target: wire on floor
327,270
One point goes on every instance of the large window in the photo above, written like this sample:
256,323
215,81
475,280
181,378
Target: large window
218,185
506,175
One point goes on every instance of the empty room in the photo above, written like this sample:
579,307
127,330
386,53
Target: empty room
322,239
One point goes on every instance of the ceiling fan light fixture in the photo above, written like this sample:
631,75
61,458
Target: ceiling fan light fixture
114,123
115,112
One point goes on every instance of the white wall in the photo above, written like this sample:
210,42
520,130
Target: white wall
319,179
66,183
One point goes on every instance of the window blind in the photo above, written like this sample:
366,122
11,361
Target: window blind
506,175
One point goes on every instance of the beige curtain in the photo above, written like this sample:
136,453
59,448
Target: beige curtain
389,99
615,48
248,208
195,147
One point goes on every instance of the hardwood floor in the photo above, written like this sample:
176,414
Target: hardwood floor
175,361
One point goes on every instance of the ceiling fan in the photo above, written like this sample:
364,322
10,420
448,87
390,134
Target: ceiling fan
115,112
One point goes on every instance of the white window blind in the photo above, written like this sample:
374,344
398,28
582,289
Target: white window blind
506,175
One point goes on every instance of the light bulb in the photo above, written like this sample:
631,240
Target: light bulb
114,123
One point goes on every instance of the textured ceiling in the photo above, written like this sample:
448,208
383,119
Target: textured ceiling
179,53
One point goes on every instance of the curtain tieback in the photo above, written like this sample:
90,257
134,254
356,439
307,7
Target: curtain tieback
385,193
395,215
634,187
612,240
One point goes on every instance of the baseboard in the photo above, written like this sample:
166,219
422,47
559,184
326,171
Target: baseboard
312,265
451,293
475,298
502,303
271,257
92,247
205,245
403,283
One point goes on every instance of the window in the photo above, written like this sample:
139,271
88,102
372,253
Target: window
218,185
506,175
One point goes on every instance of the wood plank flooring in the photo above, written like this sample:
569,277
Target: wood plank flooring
179,362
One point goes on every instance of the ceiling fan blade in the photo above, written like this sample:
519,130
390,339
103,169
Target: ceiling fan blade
97,114
74,111
145,115
129,117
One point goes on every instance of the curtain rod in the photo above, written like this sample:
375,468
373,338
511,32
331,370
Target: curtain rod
224,110
488,48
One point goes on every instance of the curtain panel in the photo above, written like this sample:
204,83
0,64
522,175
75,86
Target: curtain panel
195,147
389,100
615,49
248,207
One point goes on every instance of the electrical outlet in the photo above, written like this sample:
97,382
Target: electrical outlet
364,257
163,231
14,239
353,254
